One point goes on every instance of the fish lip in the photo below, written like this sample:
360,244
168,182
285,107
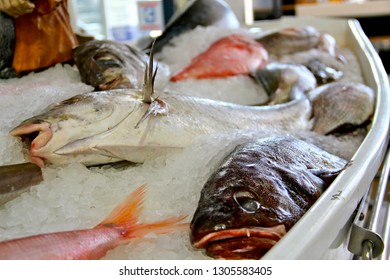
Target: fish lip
44,136
265,236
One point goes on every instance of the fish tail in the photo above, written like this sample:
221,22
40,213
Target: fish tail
160,227
125,218
128,211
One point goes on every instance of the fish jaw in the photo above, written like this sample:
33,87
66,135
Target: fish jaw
44,136
243,243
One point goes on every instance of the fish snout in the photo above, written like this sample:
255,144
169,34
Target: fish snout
35,136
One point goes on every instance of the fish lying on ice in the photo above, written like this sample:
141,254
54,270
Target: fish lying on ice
258,193
231,55
17,178
109,126
118,228
196,13
324,74
296,39
339,105
285,81
106,64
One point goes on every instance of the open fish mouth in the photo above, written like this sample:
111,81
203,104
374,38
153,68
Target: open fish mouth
35,136
243,243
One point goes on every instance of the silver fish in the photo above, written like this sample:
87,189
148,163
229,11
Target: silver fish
102,127
285,81
340,104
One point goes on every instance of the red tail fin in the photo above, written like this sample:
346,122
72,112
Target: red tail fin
125,217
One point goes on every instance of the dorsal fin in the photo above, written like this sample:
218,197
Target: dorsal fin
148,86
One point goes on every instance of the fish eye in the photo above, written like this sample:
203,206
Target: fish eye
247,201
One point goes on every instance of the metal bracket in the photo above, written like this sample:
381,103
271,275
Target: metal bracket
365,243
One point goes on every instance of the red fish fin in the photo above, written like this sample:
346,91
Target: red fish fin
160,227
128,211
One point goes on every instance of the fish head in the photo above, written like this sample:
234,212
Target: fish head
106,64
244,219
60,135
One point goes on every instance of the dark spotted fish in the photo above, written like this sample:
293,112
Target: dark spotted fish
106,64
341,105
258,193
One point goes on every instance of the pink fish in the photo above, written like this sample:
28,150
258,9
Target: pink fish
120,226
232,55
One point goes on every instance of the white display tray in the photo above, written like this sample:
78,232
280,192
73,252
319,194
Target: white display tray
323,232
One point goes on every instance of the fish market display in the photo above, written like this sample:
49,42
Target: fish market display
106,64
232,55
177,133
258,193
121,225
285,82
339,105
197,13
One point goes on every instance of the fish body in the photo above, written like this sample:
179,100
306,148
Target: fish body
17,178
285,81
297,39
231,55
259,191
118,228
341,104
103,127
323,73
197,13
107,64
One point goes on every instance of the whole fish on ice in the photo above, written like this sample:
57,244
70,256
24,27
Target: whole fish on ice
258,193
119,227
285,81
196,13
109,126
107,64
231,55
339,105
296,39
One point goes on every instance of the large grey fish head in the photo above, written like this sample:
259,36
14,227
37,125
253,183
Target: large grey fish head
106,64
49,136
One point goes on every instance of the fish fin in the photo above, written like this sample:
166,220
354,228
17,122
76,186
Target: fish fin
160,227
128,211
125,218
157,107
149,77
327,175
